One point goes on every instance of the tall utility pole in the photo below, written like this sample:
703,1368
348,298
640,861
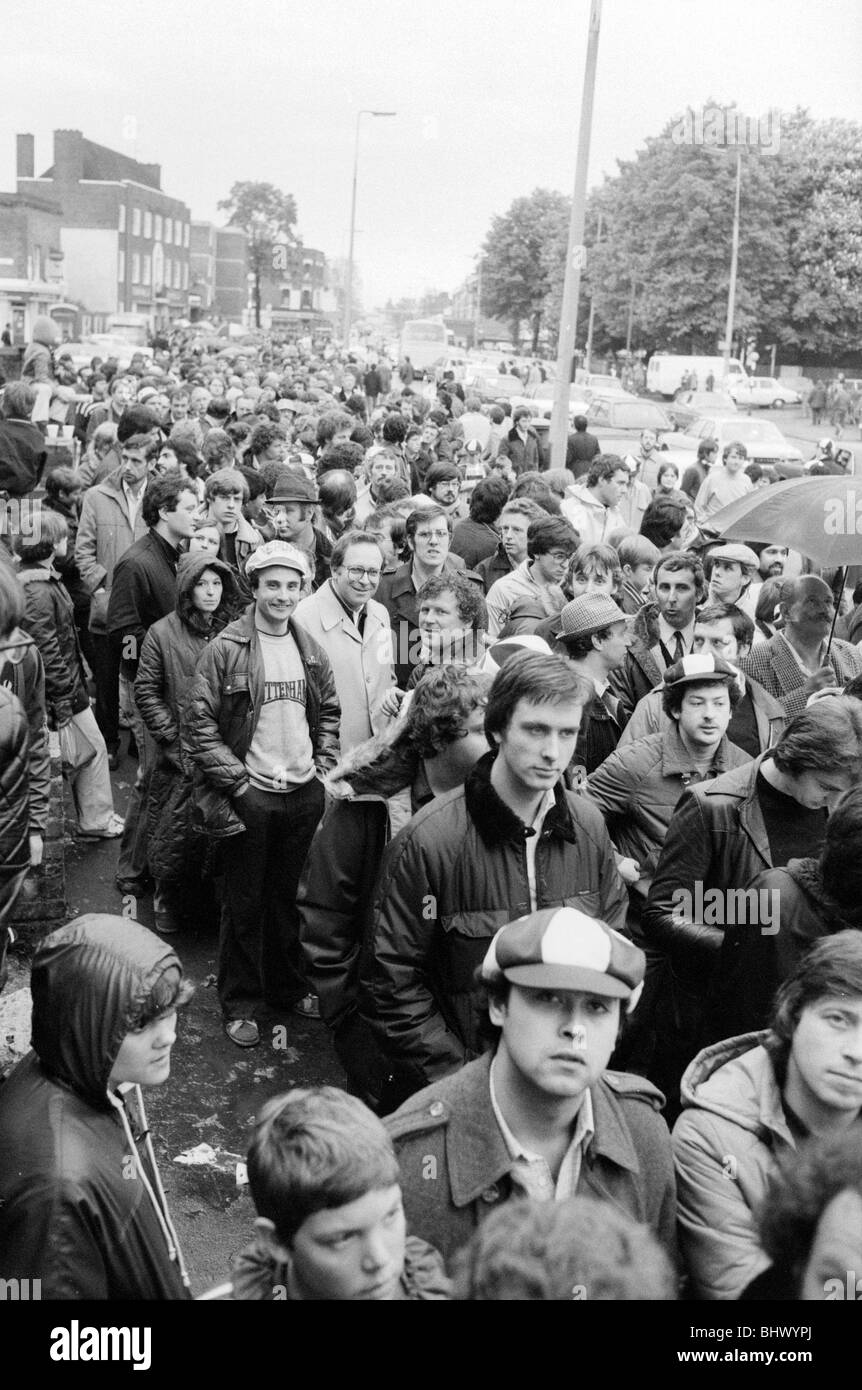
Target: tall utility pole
575,254
477,306
348,279
734,259
588,355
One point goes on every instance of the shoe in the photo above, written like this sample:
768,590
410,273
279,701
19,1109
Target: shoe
113,830
242,1031
308,1007
113,759
165,923
134,887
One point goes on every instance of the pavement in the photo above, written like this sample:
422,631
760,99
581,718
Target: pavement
215,1087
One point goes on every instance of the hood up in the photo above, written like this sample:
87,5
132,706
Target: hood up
89,981
189,571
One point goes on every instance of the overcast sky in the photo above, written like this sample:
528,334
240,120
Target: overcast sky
487,95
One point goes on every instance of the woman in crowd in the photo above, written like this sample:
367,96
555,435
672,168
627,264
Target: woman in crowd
207,599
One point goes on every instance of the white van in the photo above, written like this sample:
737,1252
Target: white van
665,372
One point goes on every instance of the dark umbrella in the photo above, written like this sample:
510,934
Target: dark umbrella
820,517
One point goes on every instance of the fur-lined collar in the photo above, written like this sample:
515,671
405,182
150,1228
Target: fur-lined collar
496,822
808,878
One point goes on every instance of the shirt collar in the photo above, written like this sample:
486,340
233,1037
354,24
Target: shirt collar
583,1131
354,614
667,633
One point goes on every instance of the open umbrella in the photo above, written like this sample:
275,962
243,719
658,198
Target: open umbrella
820,517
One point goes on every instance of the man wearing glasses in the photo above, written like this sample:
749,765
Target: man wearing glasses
24,765
428,535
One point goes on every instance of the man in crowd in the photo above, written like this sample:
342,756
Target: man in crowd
798,661
428,532
594,633
144,589
581,448
638,559
721,835
513,524
476,537
511,840
663,631
290,504
541,1116
521,444
757,721
111,521
261,727
551,542
729,570
225,492
592,508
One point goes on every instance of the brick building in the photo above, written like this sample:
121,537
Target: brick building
218,286
125,242
31,262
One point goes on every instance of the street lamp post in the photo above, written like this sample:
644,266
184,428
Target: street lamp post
348,284
734,261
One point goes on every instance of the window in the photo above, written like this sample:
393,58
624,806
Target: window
148,223
37,263
122,217
121,269
136,269
148,271
185,275
158,231
136,221
178,274
169,231
186,235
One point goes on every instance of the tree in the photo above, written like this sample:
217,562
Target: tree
267,216
520,260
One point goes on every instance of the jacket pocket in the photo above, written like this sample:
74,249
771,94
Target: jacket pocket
465,941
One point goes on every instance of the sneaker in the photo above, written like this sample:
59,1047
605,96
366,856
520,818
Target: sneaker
309,1006
112,831
242,1031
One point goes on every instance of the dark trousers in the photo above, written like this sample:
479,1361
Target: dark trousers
259,954
105,665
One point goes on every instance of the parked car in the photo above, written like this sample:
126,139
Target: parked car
491,386
540,399
764,442
599,381
617,421
764,391
688,406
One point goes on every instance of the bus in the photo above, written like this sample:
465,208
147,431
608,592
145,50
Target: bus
423,341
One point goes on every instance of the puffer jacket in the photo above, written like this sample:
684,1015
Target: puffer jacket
26,681
168,661
450,1135
644,666
14,795
637,789
105,532
49,617
726,1144
75,1209
797,909
220,716
258,1275
449,880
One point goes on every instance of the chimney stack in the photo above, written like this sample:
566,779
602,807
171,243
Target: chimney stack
26,156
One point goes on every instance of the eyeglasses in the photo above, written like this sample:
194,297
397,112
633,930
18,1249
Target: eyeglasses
356,574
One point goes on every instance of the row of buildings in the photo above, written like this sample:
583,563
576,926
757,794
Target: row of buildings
95,237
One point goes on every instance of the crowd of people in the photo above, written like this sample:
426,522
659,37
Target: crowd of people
538,794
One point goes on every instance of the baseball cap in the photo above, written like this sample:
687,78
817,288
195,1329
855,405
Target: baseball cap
742,554
589,613
289,485
278,553
563,948
698,667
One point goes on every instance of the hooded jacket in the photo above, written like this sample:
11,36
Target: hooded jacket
81,1202
169,657
726,1144
455,1165
449,880
50,621
220,716
257,1275
37,363
592,520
